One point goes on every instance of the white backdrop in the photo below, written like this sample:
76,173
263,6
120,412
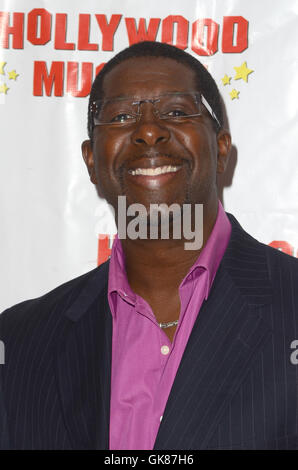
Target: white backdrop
51,217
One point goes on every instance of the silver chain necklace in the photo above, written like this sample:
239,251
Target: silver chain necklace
167,325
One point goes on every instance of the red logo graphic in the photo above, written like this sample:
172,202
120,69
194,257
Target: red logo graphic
204,37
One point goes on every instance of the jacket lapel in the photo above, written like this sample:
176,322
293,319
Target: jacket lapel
83,365
229,332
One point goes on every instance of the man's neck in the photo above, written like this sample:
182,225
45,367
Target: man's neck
160,265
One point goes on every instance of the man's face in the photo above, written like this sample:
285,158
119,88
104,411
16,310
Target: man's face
191,146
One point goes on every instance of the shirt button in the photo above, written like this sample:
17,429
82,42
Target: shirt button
165,350
160,418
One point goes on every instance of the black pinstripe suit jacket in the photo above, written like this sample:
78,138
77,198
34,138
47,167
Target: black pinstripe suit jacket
236,386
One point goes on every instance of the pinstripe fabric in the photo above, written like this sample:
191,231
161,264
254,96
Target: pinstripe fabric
235,388
4,441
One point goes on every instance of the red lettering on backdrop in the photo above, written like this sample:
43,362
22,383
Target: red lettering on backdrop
43,80
73,76
16,30
44,18
168,30
84,34
204,41
197,43
99,67
283,246
108,30
60,33
104,248
141,33
228,32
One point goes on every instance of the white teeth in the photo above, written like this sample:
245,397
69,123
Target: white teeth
155,171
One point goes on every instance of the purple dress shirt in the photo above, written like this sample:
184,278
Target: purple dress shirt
144,361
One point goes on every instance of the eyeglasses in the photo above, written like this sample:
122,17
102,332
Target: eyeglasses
172,107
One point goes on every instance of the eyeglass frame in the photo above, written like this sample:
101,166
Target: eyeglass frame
196,94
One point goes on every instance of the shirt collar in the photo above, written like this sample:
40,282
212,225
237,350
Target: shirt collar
212,253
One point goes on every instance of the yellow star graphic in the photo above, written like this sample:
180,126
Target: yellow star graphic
234,94
226,80
4,88
13,75
2,65
242,72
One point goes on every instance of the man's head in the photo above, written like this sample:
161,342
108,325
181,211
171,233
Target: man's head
189,151
204,81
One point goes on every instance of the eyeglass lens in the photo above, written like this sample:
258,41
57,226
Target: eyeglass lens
168,106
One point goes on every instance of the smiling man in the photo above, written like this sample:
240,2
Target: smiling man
186,151
161,347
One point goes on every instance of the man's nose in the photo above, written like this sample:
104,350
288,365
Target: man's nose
150,130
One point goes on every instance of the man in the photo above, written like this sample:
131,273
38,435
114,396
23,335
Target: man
161,347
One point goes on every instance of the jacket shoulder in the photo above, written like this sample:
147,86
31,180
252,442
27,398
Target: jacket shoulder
282,267
245,247
56,300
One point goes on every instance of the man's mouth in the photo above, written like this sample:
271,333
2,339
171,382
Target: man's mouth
155,177
160,170
155,171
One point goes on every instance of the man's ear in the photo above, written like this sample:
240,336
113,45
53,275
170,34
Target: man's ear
224,143
88,159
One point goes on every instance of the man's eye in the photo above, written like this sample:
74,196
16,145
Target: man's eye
123,117
176,113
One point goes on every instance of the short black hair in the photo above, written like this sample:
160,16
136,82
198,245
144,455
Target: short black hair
205,82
